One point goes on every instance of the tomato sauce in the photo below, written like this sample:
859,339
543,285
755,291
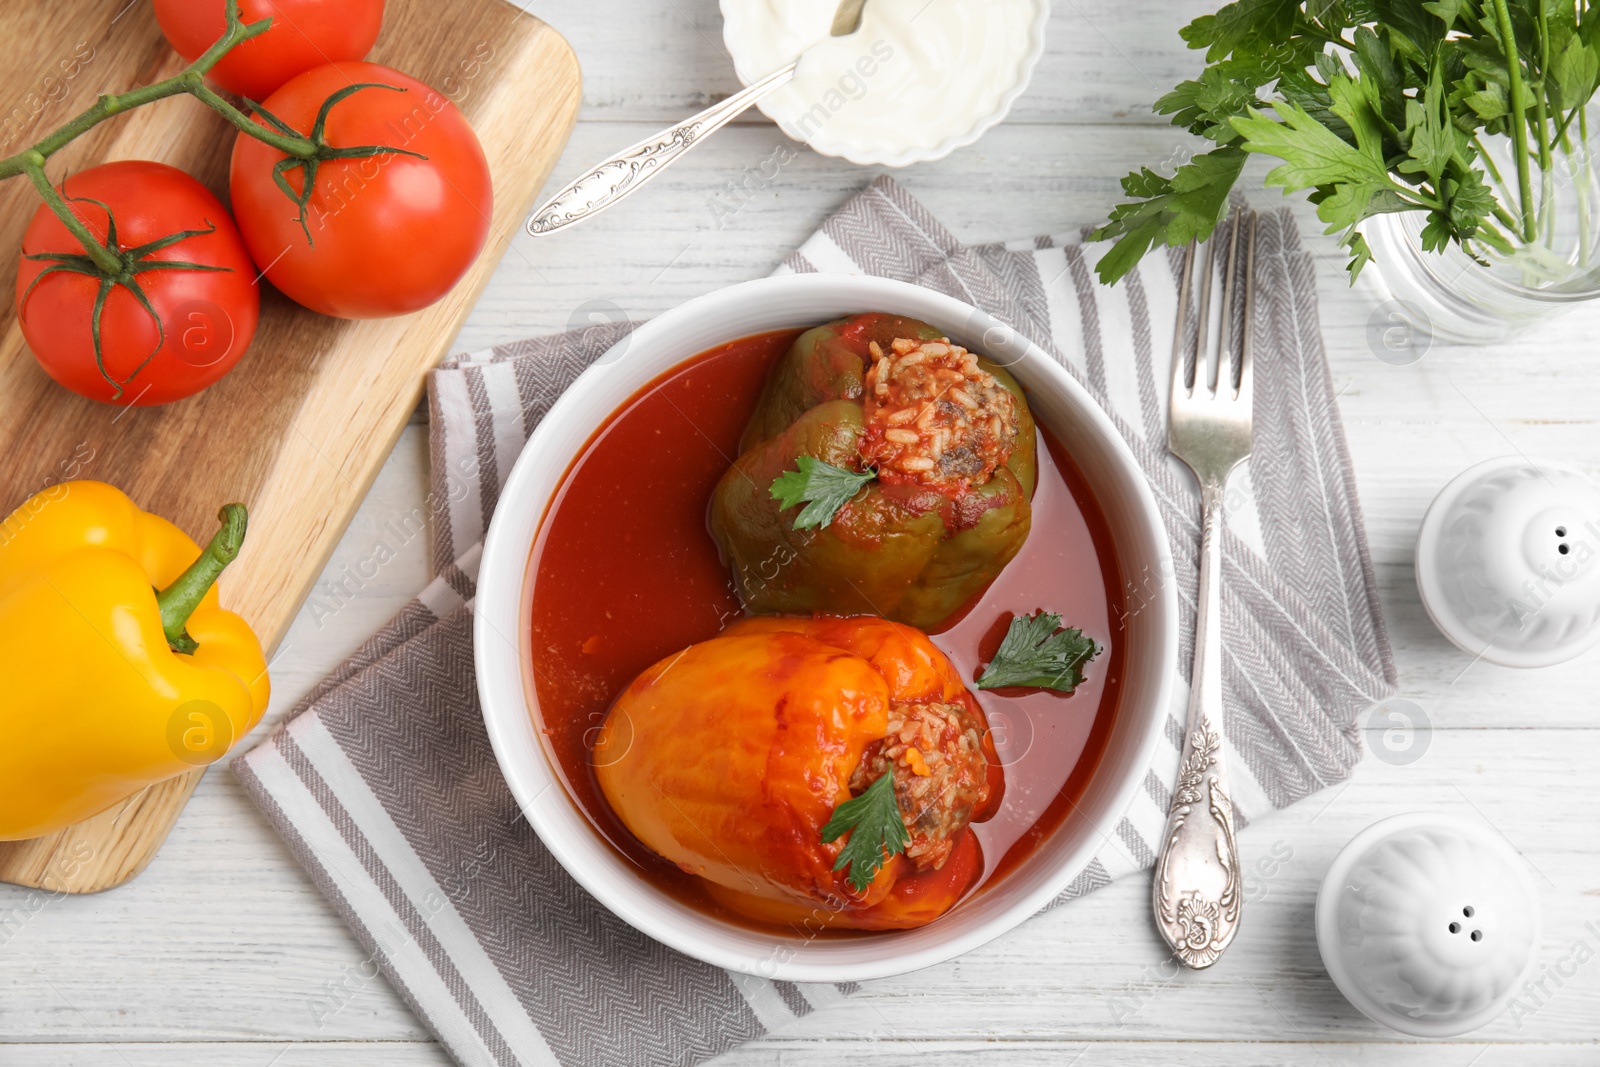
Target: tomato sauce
627,574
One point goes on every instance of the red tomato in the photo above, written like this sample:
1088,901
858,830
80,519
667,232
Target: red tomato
388,233
207,317
304,34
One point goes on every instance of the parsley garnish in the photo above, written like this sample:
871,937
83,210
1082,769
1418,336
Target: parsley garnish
877,831
823,488
1035,654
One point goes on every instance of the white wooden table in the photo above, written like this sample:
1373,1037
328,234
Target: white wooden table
223,953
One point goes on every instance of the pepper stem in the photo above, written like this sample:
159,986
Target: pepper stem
178,600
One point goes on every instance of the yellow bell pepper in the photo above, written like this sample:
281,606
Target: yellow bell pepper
121,668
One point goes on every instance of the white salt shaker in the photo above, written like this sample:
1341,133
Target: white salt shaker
1508,561
1428,923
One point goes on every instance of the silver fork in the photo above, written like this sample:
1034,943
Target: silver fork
1197,881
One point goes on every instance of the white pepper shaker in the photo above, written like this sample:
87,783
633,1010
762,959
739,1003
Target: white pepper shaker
1508,561
1428,923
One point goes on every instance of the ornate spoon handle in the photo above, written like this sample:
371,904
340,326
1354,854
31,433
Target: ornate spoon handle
1197,879
628,170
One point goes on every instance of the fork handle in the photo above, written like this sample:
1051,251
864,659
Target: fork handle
622,175
1197,880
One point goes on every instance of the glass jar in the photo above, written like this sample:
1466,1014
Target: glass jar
1479,295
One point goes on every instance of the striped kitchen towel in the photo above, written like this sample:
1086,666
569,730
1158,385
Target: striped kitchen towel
384,785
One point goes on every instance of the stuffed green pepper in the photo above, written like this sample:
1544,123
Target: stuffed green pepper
884,470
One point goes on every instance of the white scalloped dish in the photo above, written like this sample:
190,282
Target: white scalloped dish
912,85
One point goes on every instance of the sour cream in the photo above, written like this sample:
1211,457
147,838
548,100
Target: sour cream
918,79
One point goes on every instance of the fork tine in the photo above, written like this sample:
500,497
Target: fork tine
1242,386
1180,333
1202,333
1224,350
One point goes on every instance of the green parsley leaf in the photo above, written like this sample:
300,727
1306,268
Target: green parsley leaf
1360,254
1380,76
1145,183
877,831
1435,141
1472,204
1036,652
822,487
1205,105
1489,103
1353,102
1577,73
1240,25
1170,211
1312,154
1350,182
1447,11
1310,94
1411,24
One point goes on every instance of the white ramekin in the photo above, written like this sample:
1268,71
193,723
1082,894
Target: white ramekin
736,32
503,619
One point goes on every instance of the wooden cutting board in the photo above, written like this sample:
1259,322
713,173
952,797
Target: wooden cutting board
300,427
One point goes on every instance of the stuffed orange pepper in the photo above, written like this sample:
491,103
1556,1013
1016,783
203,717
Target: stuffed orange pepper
819,771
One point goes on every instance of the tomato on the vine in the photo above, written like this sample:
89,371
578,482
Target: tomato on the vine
383,234
200,300
304,34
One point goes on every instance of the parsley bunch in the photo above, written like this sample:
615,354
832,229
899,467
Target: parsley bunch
1374,106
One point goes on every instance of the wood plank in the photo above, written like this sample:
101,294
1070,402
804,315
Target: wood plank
209,1054
1104,60
223,938
1021,1052
300,427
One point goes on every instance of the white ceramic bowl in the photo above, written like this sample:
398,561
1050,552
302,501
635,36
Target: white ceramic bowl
738,35
503,615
